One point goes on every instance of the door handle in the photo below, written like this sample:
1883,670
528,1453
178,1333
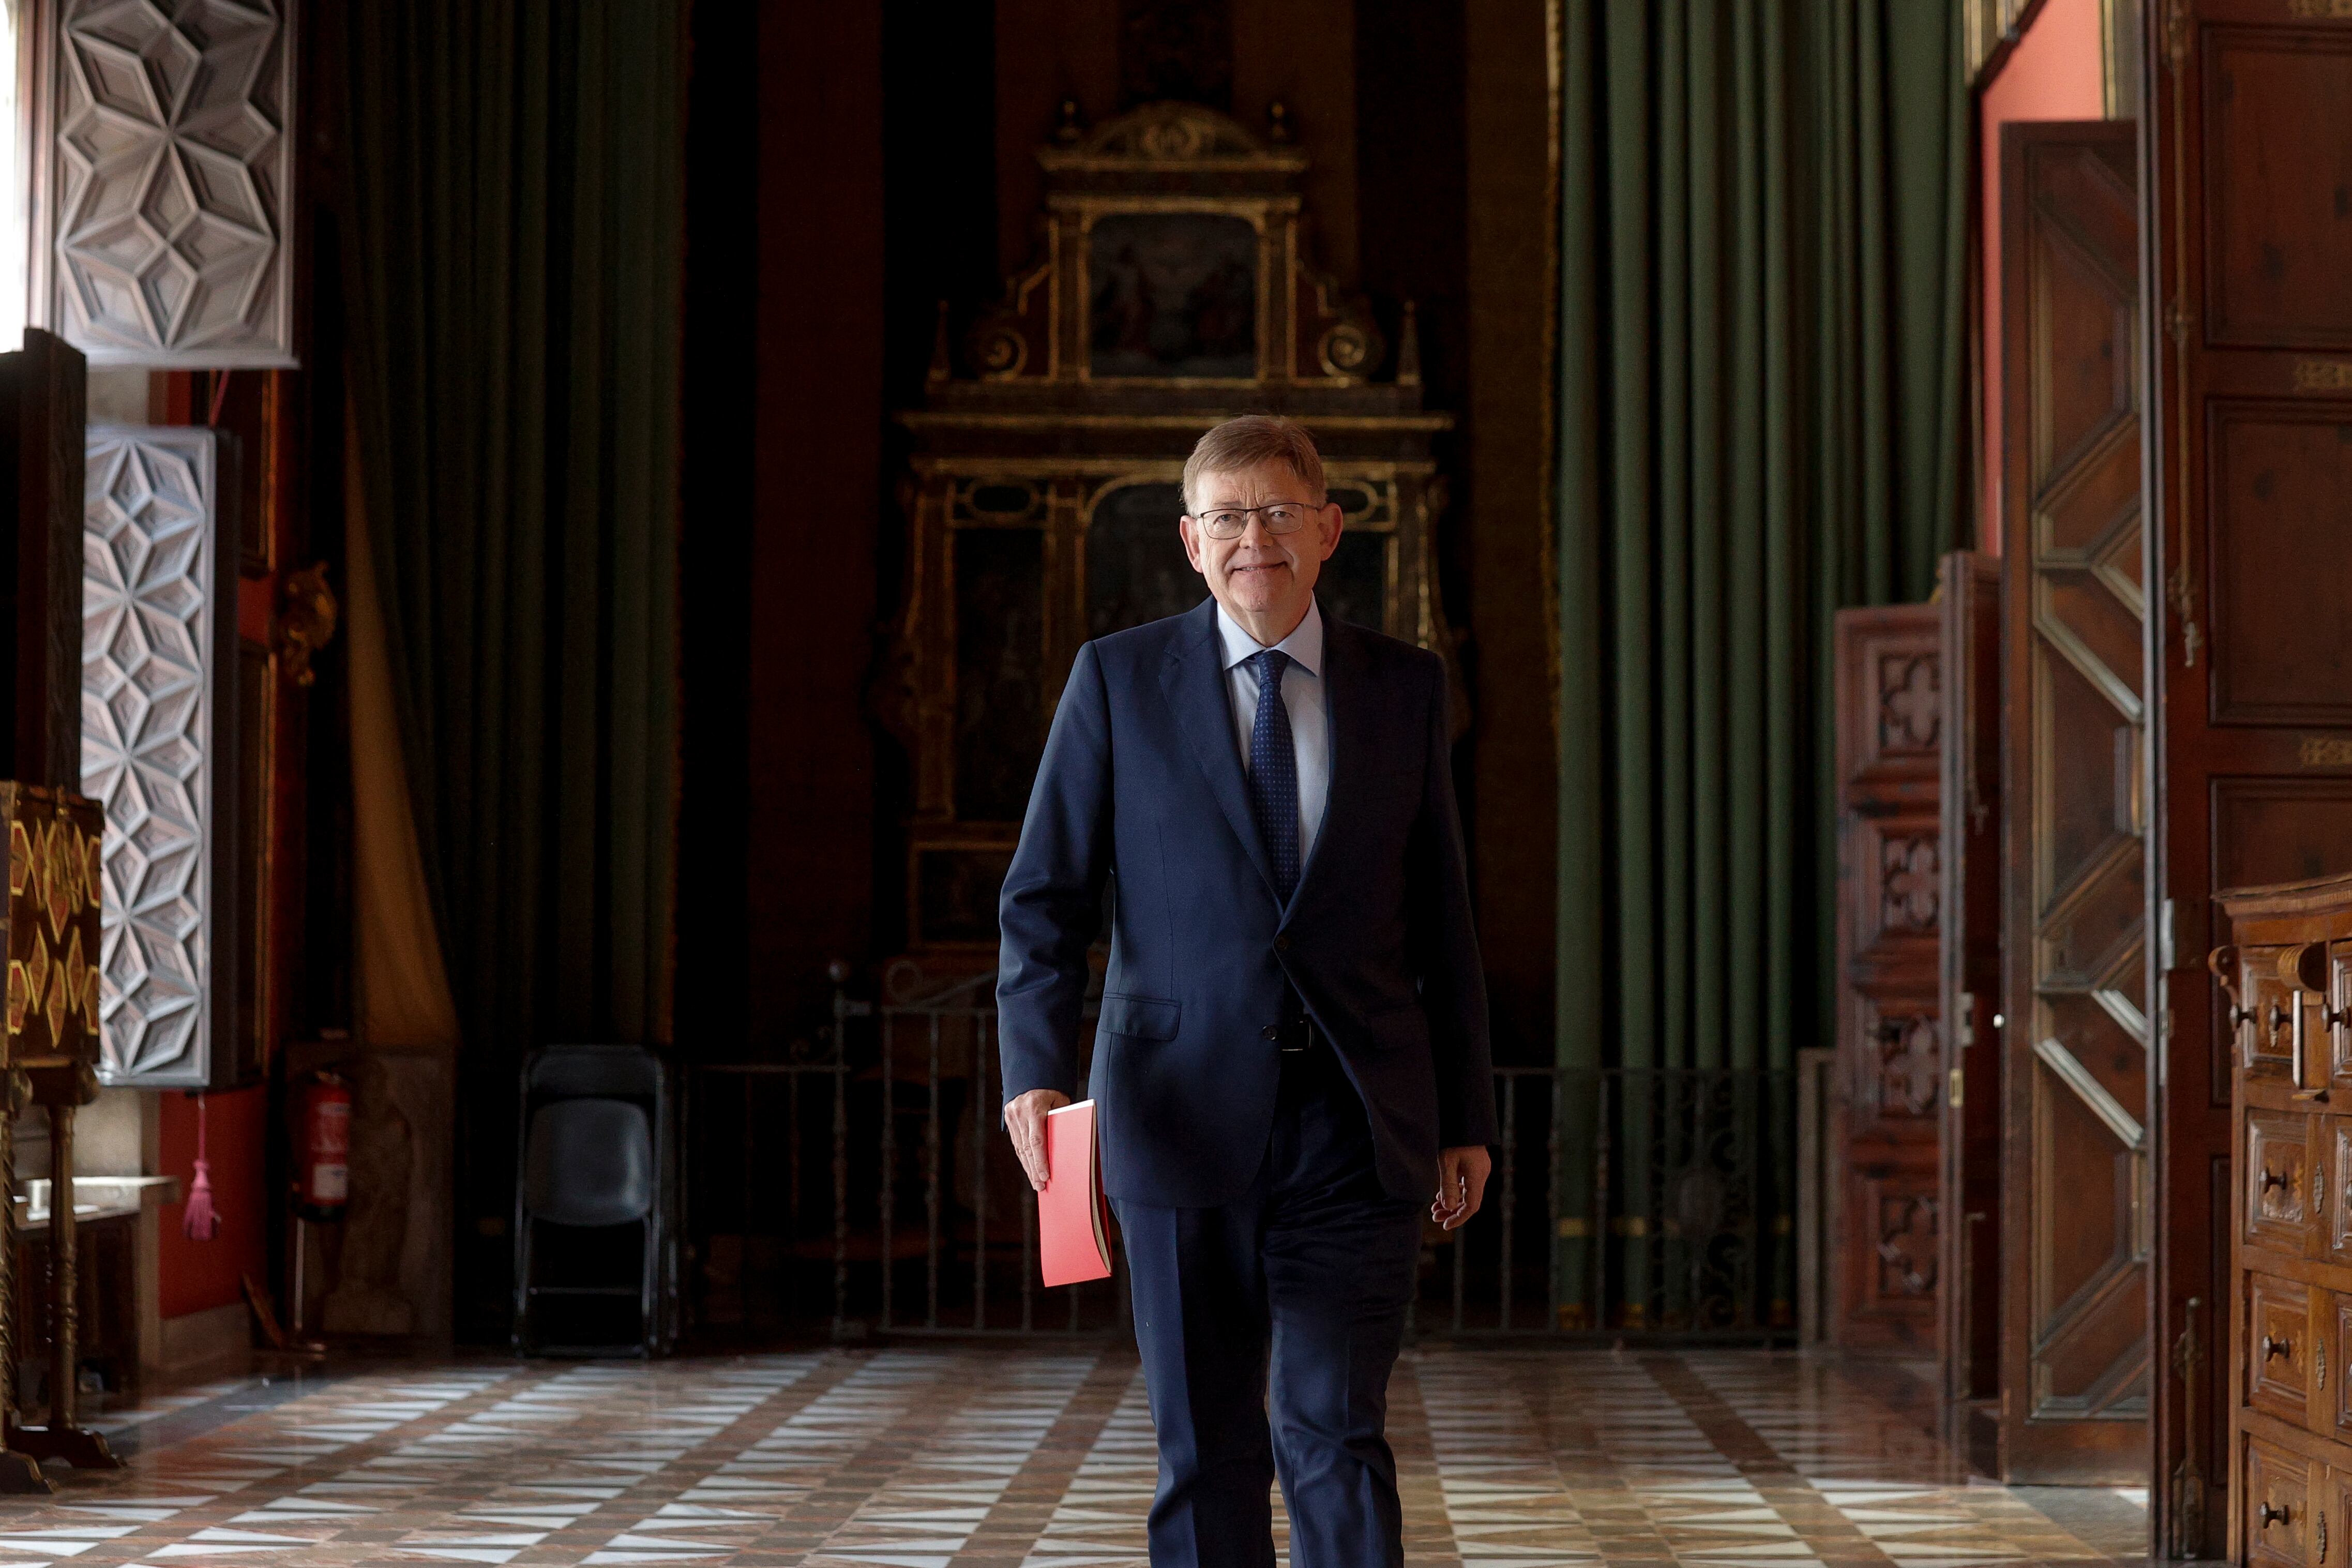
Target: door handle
2295,1041
2268,1516
2270,1179
2272,1347
2302,1092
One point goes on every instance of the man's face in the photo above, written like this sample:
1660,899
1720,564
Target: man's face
1260,577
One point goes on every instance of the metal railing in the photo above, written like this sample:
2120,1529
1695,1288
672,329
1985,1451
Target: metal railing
865,1181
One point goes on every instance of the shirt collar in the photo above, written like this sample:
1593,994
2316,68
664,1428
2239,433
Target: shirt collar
1304,645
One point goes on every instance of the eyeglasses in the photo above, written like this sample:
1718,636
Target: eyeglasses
1231,522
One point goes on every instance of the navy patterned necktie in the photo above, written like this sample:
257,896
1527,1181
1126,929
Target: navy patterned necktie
1274,772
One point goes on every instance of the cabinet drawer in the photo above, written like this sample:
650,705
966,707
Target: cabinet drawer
2265,1024
2329,1518
2331,1390
2335,1157
2335,1024
2279,1351
2278,1185
2277,1502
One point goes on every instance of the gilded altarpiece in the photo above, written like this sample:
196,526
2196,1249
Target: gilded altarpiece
1171,289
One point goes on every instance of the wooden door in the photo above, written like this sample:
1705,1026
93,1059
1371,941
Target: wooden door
1970,991
2074,1241
1890,1067
2251,422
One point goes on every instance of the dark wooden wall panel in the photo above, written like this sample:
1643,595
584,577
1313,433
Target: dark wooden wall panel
2075,1051
2276,229
2275,515
2250,331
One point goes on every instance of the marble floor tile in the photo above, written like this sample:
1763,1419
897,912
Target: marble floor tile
928,1456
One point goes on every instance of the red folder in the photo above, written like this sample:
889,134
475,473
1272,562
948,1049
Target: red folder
1073,1215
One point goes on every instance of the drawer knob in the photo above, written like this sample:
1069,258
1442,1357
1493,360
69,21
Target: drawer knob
2268,1516
2282,1347
2277,1017
2270,1179
2240,1016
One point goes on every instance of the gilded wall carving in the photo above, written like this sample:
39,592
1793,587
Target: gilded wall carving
169,182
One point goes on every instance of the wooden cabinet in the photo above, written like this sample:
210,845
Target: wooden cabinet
2283,981
1890,1067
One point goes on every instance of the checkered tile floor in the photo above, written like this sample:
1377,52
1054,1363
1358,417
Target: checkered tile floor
925,1458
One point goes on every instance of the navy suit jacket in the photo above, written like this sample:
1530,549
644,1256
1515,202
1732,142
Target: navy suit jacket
1141,788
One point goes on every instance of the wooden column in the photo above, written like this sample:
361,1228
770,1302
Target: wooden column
43,394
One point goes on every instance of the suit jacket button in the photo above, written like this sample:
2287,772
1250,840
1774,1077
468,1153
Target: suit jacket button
1282,943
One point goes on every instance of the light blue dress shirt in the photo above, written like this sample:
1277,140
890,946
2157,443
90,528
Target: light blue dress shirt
1302,696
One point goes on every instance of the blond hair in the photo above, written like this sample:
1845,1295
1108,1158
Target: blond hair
1250,439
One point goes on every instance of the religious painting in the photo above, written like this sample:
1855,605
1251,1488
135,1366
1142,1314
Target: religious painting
1137,570
1000,729
1354,584
956,892
1136,567
1173,295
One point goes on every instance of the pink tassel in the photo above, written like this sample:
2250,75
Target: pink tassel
200,1222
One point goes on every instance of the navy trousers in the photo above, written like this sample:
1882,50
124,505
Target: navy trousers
1314,1264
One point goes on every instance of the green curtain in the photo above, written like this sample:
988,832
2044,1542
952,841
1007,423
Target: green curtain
1759,420
511,216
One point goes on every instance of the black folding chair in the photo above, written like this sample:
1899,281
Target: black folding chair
596,1183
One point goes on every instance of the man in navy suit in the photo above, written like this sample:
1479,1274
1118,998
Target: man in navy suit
1292,1056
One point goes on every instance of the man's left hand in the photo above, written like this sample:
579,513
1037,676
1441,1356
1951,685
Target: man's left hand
1461,1184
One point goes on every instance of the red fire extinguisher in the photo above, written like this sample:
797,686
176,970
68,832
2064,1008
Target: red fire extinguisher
322,1183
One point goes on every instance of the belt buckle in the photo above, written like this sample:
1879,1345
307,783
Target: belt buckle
1299,1030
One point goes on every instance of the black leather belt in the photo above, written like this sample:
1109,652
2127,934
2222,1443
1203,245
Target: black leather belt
1293,1036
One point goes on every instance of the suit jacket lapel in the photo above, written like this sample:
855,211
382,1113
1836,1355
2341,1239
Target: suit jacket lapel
1193,678
1344,699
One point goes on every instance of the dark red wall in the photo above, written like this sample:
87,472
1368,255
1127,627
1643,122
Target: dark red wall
195,1275
816,471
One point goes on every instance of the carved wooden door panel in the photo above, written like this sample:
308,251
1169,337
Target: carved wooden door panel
1890,1054
2251,421
1970,992
2074,1242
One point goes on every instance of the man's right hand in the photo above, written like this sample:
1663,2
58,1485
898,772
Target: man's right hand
1025,1124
